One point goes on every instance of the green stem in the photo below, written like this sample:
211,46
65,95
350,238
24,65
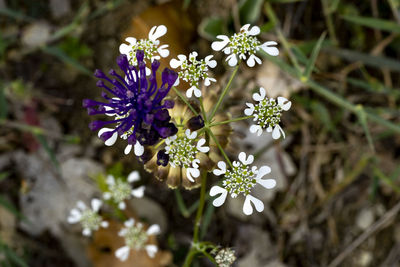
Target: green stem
211,258
220,147
181,204
203,112
224,92
194,249
231,120
184,100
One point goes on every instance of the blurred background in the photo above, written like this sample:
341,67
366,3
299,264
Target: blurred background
337,199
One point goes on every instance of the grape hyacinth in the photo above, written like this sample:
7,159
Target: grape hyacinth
138,105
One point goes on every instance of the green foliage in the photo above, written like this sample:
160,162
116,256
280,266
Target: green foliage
210,27
250,11
74,48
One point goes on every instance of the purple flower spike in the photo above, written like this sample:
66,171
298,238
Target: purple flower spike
135,103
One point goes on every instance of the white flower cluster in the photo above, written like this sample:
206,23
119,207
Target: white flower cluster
244,45
193,71
182,150
136,238
88,217
225,257
150,46
267,113
119,190
240,180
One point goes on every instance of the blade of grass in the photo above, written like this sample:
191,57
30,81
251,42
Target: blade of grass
10,207
181,204
57,52
379,24
363,120
373,61
206,219
313,57
386,179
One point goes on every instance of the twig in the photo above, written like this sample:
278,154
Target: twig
370,231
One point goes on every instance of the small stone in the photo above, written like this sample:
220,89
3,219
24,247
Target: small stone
365,218
36,34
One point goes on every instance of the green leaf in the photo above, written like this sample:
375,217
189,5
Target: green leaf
373,61
210,27
363,120
57,52
313,57
380,24
249,11
206,220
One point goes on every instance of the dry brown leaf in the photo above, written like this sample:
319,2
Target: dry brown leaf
106,241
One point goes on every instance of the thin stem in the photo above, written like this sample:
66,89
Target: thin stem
203,112
189,257
181,204
199,214
211,258
224,92
184,100
231,120
219,147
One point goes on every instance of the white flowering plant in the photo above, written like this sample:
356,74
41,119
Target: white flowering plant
182,138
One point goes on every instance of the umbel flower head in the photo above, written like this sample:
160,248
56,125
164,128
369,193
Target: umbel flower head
240,180
88,217
119,190
137,105
150,47
225,257
180,160
244,45
137,238
267,113
193,71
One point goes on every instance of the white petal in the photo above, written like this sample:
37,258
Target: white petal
129,223
163,51
110,180
192,173
249,111
157,32
267,183
133,177
259,96
86,232
128,149
131,40
96,204
197,92
151,250
139,149
255,30
222,168
189,92
245,27
269,49
242,158
74,216
138,192
122,253
256,129
208,81
104,224
110,141
176,83
218,45
284,103
190,135
154,230
125,49
148,71
82,206
107,195
174,63
195,163
250,61
215,190
121,205
276,133
247,207
232,60
210,62
200,143
263,171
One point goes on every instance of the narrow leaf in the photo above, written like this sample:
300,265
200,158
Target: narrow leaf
55,51
380,24
314,55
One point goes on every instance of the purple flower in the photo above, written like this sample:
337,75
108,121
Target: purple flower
136,103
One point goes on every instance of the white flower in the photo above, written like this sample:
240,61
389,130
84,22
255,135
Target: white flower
136,238
225,257
267,113
88,217
119,190
182,150
244,45
193,71
150,46
240,180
